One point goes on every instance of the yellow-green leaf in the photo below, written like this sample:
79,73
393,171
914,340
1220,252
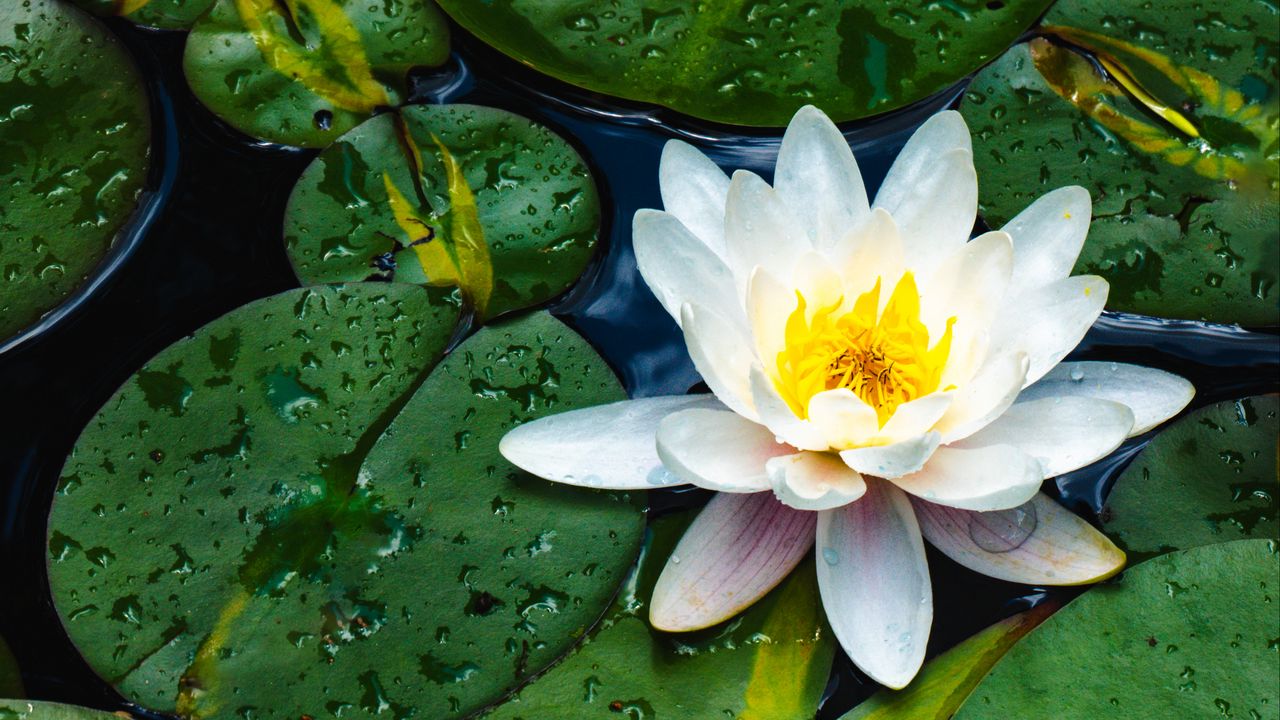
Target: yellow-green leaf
465,238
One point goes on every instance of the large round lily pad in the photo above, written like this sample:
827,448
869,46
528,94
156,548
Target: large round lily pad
1190,634
1175,133
34,710
447,195
753,63
1210,477
73,153
167,14
304,72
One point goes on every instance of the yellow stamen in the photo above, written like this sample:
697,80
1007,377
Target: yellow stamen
883,358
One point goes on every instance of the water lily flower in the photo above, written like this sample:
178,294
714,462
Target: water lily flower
878,379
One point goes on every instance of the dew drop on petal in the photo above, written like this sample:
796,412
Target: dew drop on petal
830,556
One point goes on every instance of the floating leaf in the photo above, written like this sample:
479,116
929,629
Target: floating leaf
770,663
33,710
303,72
1185,635
10,675
945,681
1176,134
751,63
167,14
447,195
73,153
1209,478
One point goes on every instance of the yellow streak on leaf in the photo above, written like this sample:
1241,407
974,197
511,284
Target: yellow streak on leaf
465,235
126,7
358,91
198,687
785,663
439,268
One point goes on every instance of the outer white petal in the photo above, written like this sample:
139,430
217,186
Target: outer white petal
844,419
778,417
1153,395
769,304
694,190
1048,323
995,477
722,354
984,398
717,449
814,481
737,549
1047,237
1063,433
895,460
759,229
680,269
1039,543
969,285
874,583
607,446
818,178
917,417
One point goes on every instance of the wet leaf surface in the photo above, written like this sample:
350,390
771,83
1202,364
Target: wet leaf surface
10,675
447,195
167,14
1209,478
769,663
306,71
73,153
1170,117
752,63
1190,634
34,710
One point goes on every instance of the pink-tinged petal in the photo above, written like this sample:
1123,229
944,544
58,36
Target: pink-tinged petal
737,549
814,481
1153,395
778,417
818,178
694,189
717,450
1063,433
893,460
607,446
874,583
721,351
1039,543
988,478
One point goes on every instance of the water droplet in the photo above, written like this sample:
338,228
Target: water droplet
830,556
1002,531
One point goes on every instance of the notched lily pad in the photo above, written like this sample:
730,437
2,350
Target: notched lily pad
461,195
304,72
1175,133
1190,634
1209,478
73,153
166,14
752,63
34,710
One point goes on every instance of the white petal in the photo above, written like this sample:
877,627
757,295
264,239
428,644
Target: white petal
1153,395
607,446
818,281
769,304
873,250
778,417
995,477
680,269
759,230
1039,543
844,419
984,398
717,449
722,354
737,549
1063,433
969,285
1048,323
1047,237
894,460
694,190
818,178
917,417
814,481
874,583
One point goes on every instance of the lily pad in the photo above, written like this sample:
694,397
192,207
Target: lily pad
306,71
1169,116
447,195
73,153
166,14
770,663
752,63
1190,634
10,675
1209,478
33,710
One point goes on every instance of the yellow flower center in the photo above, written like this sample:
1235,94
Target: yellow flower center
885,360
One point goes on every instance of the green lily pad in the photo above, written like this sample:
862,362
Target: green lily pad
1209,478
1169,116
770,663
73,153
751,63
1190,634
166,14
945,681
33,710
10,674
447,195
304,72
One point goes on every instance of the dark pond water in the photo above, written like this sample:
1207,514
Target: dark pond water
214,243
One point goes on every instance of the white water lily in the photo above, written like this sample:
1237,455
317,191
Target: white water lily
878,379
